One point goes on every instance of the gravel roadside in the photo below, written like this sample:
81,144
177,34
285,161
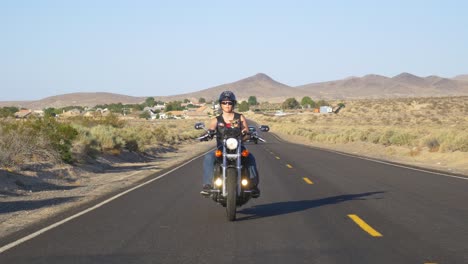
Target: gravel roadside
27,199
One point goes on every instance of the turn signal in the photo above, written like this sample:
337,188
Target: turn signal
245,153
218,153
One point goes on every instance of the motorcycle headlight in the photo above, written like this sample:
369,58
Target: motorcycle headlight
244,182
219,182
231,143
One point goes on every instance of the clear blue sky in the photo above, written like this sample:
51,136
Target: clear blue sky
149,48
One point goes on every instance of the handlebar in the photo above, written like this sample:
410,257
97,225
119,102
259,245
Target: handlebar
208,136
211,133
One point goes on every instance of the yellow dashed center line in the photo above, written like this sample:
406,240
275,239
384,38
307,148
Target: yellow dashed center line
289,166
307,180
277,157
364,226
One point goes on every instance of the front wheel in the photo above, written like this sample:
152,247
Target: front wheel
231,187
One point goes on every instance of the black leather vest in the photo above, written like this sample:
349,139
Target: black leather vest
221,125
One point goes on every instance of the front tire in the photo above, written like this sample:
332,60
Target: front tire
231,187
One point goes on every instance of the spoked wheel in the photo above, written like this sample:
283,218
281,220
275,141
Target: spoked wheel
231,187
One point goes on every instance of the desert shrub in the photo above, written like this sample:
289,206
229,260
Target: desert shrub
17,146
86,145
138,137
107,138
161,133
145,115
36,140
132,145
113,121
312,136
401,138
374,136
8,111
385,137
364,135
59,135
454,141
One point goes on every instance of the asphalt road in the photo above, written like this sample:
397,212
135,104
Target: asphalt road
316,207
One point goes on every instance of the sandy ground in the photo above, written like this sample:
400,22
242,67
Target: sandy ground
30,196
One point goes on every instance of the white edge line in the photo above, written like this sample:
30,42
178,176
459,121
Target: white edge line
400,166
379,161
45,229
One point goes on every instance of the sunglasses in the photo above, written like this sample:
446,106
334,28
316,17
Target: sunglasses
227,103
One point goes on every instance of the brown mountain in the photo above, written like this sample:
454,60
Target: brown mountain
267,89
377,86
410,79
463,77
260,85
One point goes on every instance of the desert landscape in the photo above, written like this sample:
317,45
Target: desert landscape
428,132
51,164
356,149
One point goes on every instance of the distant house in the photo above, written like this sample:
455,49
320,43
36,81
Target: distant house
326,109
153,112
159,107
23,113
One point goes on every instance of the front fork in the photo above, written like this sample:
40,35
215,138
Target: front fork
238,167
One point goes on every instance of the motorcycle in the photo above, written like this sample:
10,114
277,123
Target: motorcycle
231,181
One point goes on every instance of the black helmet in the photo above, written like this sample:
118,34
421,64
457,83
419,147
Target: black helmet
227,96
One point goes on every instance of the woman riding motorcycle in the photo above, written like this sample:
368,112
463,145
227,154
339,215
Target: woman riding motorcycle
228,118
